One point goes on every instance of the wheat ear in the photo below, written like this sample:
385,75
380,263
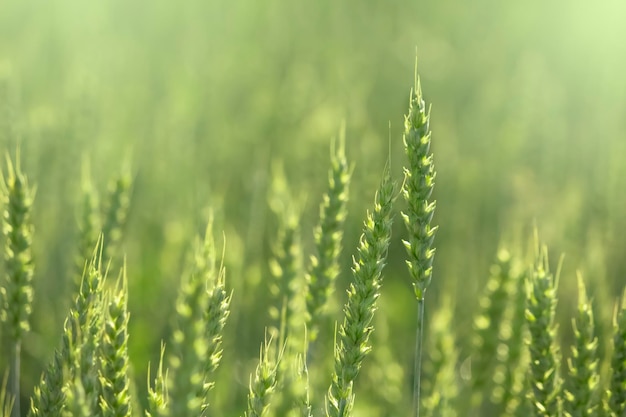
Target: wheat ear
17,293
352,340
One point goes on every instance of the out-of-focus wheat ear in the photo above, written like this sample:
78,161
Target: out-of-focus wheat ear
263,385
90,222
216,315
443,354
303,398
582,385
6,400
617,384
115,398
324,267
16,292
287,311
202,308
115,213
510,373
157,393
544,376
492,305
352,344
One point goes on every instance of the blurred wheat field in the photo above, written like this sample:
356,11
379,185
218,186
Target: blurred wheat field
197,101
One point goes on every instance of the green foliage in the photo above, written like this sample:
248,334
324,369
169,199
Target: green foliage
205,130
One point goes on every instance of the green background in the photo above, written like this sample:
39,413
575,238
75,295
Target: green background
198,98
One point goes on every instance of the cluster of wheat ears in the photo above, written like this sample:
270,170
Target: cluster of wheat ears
518,368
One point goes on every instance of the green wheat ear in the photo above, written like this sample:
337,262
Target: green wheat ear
17,292
202,308
417,190
324,267
487,322
582,386
287,312
49,399
617,385
215,318
87,316
89,222
115,398
263,385
510,371
352,343
545,380
115,213
157,393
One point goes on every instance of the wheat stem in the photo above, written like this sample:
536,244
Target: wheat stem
419,338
